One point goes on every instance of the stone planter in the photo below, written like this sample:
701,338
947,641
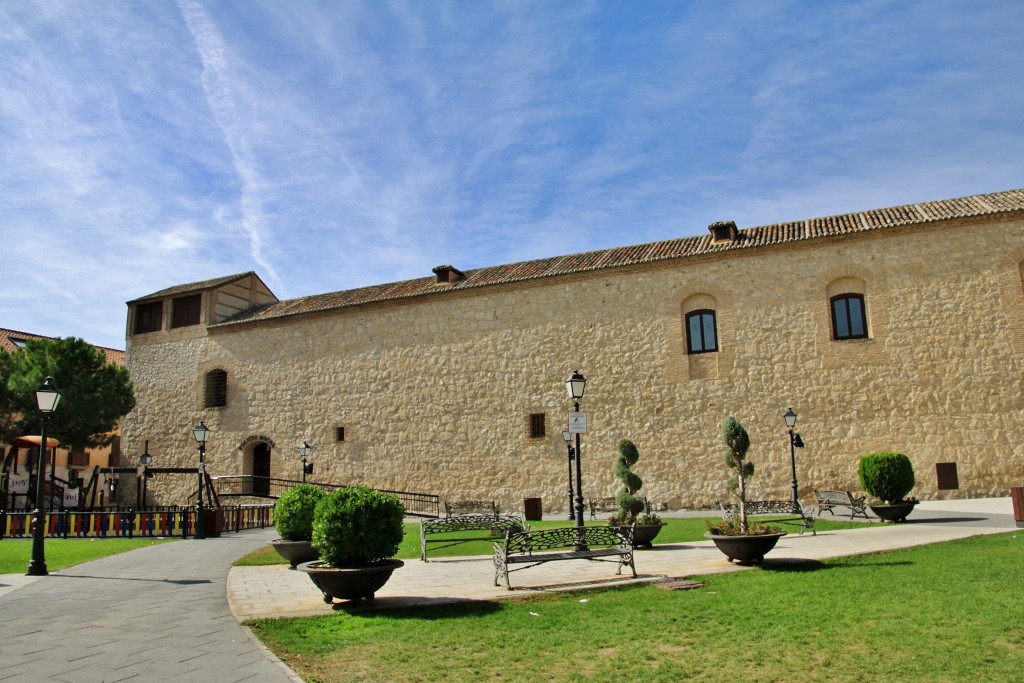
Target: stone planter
896,512
745,550
643,534
296,552
349,583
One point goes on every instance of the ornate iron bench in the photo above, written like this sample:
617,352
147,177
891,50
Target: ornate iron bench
470,507
804,516
602,505
495,524
827,500
530,548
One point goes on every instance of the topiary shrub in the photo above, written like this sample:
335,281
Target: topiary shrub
293,512
886,476
630,506
735,437
357,526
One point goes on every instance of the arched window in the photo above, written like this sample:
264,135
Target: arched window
701,332
849,319
216,395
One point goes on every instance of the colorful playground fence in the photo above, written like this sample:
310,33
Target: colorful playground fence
128,523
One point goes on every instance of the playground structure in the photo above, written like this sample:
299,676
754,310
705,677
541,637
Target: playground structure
78,506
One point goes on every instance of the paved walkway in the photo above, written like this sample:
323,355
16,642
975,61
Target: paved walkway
172,612
276,591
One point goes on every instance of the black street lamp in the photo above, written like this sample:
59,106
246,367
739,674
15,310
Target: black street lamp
201,432
794,442
145,460
575,385
47,398
304,451
567,435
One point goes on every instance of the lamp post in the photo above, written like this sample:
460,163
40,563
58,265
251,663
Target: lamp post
304,450
567,436
47,398
794,442
201,433
145,460
575,384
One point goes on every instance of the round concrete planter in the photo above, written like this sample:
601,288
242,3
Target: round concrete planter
643,534
296,552
349,583
745,550
896,512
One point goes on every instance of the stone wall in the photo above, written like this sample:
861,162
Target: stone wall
435,395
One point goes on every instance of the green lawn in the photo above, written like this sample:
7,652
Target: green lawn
941,613
677,530
66,552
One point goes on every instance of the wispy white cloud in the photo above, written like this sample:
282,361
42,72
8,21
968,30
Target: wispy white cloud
330,145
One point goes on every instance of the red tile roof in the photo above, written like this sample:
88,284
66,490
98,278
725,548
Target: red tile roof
1010,201
8,338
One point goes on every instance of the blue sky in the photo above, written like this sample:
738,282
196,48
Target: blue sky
330,145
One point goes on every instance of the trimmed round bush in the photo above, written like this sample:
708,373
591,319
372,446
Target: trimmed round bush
357,526
886,476
293,512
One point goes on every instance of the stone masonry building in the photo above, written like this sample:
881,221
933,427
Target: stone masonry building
899,329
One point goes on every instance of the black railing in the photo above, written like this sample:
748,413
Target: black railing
416,504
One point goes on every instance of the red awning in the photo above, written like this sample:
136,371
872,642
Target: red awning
34,441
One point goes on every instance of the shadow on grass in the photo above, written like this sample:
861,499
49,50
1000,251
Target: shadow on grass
443,609
796,565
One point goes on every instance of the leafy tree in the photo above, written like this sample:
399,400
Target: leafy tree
94,394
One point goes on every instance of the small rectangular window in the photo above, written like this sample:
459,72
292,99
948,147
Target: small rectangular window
185,311
341,434
149,317
537,425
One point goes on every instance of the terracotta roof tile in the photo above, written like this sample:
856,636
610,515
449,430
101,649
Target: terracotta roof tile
178,290
814,228
7,338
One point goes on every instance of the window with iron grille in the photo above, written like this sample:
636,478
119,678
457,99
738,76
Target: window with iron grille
149,317
185,310
537,425
216,389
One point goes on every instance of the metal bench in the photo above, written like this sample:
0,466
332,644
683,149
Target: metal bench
470,507
827,500
804,516
495,524
531,548
602,505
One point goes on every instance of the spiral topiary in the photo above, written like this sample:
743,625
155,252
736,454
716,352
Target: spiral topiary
629,505
886,476
357,526
293,512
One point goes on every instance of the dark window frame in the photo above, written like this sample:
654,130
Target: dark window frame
845,320
215,390
186,311
339,434
149,317
701,345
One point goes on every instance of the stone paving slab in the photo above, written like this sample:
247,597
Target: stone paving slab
155,614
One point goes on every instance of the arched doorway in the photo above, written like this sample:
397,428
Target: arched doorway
261,469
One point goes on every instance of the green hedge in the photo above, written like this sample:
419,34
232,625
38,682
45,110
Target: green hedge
886,476
357,526
293,512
